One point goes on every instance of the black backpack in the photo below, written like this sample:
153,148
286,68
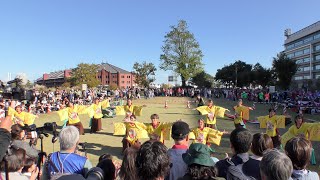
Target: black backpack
235,172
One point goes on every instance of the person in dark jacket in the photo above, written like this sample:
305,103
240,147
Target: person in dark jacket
18,136
5,136
180,134
240,143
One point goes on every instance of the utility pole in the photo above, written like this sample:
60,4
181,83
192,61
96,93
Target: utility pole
236,74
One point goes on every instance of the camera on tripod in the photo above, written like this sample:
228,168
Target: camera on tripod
33,131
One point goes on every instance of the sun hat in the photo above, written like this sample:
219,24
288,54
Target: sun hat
198,154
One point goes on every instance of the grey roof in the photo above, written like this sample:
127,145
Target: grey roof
112,69
303,32
56,75
53,75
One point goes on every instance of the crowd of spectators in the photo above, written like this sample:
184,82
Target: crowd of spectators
153,161
253,155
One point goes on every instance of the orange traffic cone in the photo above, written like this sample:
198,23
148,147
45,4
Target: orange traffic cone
49,109
166,104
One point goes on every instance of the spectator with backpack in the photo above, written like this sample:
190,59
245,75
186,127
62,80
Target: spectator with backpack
240,143
66,161
251,168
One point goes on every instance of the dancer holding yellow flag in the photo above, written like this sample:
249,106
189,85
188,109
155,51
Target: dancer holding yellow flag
241,115
212,113
272,123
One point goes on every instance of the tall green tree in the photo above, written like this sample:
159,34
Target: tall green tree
85,74
238,73
261,76
181,52
143,73
284,69
203,79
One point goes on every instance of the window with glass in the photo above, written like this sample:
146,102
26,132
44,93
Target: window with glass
317,76
317,36
317,57
316,67
298,78
298,43
308,39
306,59
317,48
298,53
306,51
291,55
307,77
290,46
306,68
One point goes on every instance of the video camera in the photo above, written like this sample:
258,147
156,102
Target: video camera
33,131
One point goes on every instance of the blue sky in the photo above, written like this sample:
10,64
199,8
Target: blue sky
45,36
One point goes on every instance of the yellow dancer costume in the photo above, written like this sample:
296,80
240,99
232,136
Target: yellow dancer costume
22,118
72,115
242,114
133,109
123,128
212,113
105,104
272,123
162,131
206,136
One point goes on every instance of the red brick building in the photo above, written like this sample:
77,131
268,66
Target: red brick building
54,79
107,74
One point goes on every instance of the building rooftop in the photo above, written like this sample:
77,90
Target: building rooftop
106,66
303,32
112,69
54,75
